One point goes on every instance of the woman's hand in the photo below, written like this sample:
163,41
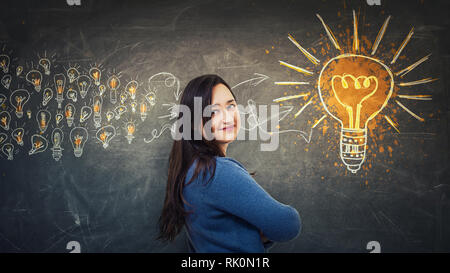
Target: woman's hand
264,239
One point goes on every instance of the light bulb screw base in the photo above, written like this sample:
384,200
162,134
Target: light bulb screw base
353,148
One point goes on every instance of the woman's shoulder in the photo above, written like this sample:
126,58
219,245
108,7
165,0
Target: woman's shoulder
229,162
226,168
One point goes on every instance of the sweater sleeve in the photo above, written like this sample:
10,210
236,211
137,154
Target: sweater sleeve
233,190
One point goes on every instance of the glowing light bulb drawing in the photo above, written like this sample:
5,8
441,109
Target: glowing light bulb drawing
123,97
2,99
43,118
84,82
38,144
17,135
5,119
131,88
19,70
6,81
85,113
18,99
353,90
35,78
69,112
119,110
3,137
72,94
59,117
45,63
105,134
78,137
97,108
113,84
8,150
72,74
133,105
60,83
95,74
130,128
29,114
47,95
57,139
109,115
151,98
143,110
4,63
102,89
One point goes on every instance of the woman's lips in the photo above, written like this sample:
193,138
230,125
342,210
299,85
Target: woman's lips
228,128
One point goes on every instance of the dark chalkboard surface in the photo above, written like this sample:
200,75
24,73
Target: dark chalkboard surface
61,198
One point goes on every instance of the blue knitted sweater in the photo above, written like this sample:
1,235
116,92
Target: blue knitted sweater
230,211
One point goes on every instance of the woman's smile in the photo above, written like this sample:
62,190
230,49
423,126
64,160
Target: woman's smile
228,128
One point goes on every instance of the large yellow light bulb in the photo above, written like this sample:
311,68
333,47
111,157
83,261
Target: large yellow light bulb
353,90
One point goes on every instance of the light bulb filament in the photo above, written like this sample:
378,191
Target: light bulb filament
78,140
358,91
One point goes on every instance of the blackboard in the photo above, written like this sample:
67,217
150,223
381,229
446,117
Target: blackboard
109,199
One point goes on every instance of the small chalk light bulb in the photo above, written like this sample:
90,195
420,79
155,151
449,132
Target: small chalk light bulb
133,106
39,144
95,74
84,82
43,118
106,134
119,111
72,94
59,117
113,84
17,135
45,63
72,74
131,129
110,115
85,113
143,110
18,99
151,98
102,89
4,63
5,119
78,137
19,70
123,97
69,111
3,137
57,139
8,150
6,81
97,107
35,78
132,88
60,83
47,95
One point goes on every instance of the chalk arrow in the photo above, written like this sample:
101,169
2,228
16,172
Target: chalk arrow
254,81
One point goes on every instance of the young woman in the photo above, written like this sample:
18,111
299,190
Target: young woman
222,207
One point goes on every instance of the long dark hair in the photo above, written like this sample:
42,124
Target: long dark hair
184,153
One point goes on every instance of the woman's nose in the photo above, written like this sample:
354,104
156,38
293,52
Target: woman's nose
228,117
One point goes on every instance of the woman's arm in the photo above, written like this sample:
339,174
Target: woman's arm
235,191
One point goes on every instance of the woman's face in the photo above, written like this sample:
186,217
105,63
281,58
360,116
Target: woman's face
225,118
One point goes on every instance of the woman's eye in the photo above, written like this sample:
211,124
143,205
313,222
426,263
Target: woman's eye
213,112
231,106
